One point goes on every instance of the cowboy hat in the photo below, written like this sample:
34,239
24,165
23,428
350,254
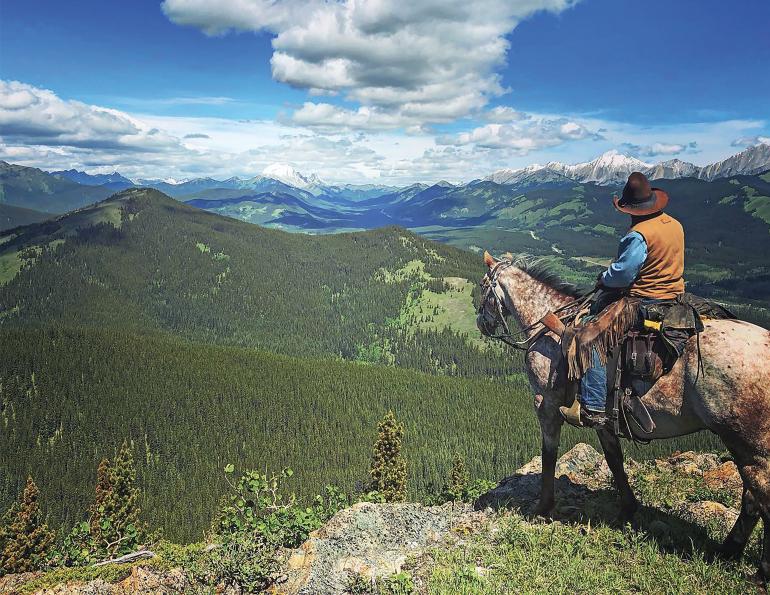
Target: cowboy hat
639,198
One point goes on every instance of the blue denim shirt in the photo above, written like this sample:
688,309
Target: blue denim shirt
632,253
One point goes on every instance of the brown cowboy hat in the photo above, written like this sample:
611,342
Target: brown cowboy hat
639,198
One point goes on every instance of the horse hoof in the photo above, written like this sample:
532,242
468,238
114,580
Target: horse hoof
627,516
728,551
543,510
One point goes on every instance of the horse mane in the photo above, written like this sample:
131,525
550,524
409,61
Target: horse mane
540,269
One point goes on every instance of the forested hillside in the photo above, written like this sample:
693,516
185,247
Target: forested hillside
70,397
142,260
11,216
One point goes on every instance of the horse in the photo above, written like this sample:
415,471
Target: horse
722,385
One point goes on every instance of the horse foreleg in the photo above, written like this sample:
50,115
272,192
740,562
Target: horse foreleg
614,455
550,429
738,537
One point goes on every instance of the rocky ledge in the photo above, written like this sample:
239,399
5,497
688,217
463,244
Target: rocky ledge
368,542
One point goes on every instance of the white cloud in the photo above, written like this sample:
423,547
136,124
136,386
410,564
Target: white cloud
40,129
659,149
750,141
30,115
503,113
520,137
412,63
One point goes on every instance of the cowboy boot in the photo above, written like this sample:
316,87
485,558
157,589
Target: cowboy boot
571,414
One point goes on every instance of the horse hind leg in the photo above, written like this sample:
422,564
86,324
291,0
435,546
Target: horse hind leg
613,453
736,540
756,479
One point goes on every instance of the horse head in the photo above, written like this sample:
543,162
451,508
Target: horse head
492,312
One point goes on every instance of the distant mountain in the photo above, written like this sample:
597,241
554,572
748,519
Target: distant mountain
672,169
288,175
753,160
613,168
11,216
114,180
33,188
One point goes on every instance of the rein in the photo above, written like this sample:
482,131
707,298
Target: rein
507,336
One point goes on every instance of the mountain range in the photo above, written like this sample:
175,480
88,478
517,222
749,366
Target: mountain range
612,168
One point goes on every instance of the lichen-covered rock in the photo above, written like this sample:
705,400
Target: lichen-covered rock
368,540
707,512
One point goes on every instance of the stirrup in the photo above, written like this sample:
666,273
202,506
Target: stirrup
571,414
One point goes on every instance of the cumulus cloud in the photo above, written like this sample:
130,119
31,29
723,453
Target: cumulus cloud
523,135
196,135
502,114
30,115
411,63
660,149
750,141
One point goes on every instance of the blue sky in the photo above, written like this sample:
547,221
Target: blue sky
428,90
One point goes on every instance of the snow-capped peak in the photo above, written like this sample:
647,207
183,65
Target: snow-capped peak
283,172
614,159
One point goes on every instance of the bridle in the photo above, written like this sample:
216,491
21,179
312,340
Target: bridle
492,312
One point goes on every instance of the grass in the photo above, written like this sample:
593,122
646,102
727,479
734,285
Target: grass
521,557
112,573
668,554
10,265
451,309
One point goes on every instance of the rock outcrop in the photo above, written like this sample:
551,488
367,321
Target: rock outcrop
368,542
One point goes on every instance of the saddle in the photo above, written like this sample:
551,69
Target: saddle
638,344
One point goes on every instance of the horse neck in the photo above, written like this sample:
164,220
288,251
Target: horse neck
527,298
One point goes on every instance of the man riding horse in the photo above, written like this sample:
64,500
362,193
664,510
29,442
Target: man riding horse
649,266
716,373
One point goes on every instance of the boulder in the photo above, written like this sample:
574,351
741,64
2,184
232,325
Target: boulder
724,476
707,511
578,468
370,541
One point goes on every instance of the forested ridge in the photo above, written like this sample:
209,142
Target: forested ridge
162,265
72,396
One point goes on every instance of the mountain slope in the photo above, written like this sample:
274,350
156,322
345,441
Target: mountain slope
753,160
115,181
11,216
32,188
141,260
613,168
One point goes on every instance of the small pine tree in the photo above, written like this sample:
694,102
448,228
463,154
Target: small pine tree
103,489
25,541
388,471
458,478
114,525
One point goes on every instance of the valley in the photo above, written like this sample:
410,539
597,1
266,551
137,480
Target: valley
178,324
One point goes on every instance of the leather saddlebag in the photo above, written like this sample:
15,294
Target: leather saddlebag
642,356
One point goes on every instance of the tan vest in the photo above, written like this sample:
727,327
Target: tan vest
661,274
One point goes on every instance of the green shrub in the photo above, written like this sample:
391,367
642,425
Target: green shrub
255,521
244,560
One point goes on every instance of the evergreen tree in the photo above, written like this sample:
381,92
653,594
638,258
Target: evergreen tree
25,541
119,528
388,471
103,489
458,478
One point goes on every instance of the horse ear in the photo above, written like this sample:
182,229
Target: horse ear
489,260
